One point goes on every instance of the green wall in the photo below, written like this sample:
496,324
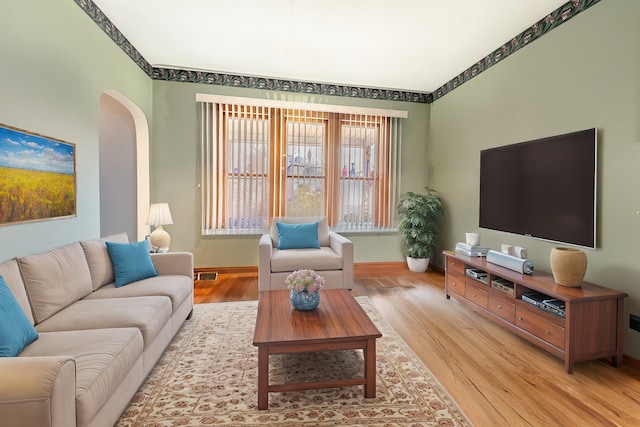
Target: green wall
585,73
56,63
174,173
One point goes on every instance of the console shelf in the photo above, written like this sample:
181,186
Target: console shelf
590,327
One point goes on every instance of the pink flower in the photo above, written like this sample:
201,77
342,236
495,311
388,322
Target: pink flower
301,280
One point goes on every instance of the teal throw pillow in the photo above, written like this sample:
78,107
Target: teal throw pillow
131,262
16,331
298,236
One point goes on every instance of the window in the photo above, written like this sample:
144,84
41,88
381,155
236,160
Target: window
263,159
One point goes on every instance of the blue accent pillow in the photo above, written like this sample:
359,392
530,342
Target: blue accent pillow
16,330
298,236
131,262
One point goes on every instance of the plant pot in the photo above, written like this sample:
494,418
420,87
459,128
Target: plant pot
568,266
418,265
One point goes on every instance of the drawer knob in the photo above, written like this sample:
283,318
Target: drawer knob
499,307
520,318
475,295
546,332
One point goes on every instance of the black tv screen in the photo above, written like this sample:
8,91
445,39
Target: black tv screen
545,188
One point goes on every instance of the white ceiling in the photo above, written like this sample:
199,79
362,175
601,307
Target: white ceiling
413,45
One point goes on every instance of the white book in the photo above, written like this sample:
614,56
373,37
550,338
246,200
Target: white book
467,247
470,253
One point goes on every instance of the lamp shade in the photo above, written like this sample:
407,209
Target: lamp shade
159,214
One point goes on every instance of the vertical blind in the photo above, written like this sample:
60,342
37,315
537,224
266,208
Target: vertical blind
260,161
235,166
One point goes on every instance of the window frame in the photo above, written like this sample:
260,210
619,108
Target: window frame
279,114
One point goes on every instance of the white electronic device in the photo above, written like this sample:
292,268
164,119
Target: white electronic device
511,262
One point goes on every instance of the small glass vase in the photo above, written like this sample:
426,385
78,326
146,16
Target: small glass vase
304,301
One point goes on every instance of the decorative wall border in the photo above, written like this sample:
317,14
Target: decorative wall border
114,33
251,82
266,83
537,30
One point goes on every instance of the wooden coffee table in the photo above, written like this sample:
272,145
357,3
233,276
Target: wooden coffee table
339,323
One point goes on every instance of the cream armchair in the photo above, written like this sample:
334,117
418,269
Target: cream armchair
333,261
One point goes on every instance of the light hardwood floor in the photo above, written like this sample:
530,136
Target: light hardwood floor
497,378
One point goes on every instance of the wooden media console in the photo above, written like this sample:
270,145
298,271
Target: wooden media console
590,326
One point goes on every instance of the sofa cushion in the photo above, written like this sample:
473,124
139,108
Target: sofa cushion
323,227
298,236
131,261
55,279
148,314
177,288
11,272
99,260
16,330
314,259
104,357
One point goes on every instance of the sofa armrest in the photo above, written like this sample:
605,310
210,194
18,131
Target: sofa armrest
343,247
38,391
180,263
265,247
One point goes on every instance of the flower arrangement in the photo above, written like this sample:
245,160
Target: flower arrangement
301,280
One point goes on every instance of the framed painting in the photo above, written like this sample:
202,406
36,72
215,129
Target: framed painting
37,177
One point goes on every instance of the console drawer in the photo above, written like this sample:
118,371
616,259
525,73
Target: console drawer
543,329
476,294
455,265
502,308
455,284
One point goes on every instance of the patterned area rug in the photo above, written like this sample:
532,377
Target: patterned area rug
208,376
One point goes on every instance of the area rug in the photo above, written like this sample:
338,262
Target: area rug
208,376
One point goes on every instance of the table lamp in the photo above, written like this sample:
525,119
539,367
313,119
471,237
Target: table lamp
159,215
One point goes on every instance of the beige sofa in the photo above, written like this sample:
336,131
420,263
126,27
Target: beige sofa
96,343
333,260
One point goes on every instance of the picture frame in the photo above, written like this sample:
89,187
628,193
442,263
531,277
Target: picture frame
37,177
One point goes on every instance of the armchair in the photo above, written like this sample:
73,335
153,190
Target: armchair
333,261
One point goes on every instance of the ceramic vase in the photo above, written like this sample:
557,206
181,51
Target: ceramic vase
568,266
418,265
304,301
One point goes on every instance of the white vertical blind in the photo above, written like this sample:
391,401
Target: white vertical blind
261,161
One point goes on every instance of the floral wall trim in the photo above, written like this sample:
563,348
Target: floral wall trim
537,30
253,82
114,33
551,21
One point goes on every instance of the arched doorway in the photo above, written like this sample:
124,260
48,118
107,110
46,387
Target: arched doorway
124,167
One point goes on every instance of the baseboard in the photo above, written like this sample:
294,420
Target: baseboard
224,270
361,269
631,362
365,269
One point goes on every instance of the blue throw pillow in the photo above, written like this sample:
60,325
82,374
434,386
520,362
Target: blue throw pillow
16,330
298,236
131,262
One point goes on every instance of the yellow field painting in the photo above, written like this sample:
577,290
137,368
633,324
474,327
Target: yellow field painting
27,195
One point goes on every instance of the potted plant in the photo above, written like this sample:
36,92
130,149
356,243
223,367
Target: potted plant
305,288
419,215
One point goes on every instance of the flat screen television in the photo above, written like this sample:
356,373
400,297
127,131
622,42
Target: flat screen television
544,188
